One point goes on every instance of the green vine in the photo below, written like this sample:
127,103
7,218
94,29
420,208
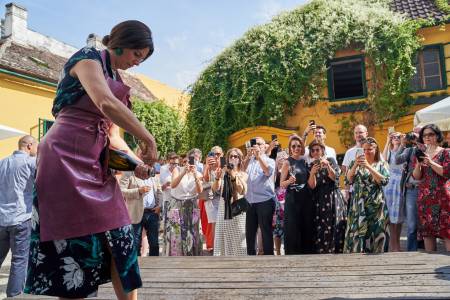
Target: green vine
443,5
265,74
164,123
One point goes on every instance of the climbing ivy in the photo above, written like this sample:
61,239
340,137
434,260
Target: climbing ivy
444,6
164,123
266,73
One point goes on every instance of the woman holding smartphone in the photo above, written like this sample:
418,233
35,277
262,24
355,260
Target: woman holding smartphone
393,190
298,207
433,202
181,235
324,182
229,238
368,216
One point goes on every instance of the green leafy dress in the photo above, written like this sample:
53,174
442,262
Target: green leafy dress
368,215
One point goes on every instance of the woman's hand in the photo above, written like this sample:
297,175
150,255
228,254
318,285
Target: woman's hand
315,169
149,153
218,173
291,179
324,163
142,171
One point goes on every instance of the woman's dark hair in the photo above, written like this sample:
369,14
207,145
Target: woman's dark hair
130,34
436,130
316,143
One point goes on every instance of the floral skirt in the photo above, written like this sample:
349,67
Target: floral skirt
74,268
181,228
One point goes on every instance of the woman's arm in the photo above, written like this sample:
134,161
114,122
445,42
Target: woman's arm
198,179
285,179
218,181
177,176
382,177
352,171
116,142
90,74
241,183
312,182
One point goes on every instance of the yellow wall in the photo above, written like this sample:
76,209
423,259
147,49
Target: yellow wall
320,111
171,96
239,138
22,103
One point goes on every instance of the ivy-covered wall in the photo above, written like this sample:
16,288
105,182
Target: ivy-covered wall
274,67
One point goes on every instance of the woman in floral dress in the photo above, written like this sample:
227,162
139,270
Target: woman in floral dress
278,217
181,220
81,232
368,216
324,182
434,191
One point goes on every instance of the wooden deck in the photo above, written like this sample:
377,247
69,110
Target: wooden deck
404,275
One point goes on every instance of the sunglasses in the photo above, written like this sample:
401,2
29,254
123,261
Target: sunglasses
428,135
234,156
315,150
395,137
296,146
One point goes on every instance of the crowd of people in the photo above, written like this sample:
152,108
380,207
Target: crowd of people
73,224
295,197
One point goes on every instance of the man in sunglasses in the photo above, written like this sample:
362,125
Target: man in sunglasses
261,196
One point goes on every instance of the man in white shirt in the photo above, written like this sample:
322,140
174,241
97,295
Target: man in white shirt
165,176
320,134
359,133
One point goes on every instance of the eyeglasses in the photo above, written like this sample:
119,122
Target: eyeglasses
296,146
315,150
395,137
234,156
429,135
217,154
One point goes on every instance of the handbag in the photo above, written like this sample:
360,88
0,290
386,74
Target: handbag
239,206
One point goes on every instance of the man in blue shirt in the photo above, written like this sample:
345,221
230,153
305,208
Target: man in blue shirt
16,185
261,196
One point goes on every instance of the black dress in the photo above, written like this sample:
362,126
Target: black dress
299,212
329,229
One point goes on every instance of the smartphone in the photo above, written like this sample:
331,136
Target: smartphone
247,144
274,137
312,122
359,152
391,129
157,168
192,160
222,162
252,142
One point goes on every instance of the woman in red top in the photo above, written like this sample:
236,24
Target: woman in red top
434,191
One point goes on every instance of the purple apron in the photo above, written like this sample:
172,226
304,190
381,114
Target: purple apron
76,193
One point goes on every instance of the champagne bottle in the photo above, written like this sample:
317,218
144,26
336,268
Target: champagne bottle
119,160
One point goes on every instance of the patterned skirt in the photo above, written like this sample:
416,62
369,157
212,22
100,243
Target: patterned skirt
181,228
74,268
394,199
229,238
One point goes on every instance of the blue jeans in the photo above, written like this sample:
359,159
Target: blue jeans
411,218
150,222
16,238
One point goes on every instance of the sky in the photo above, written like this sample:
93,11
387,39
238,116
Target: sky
187,34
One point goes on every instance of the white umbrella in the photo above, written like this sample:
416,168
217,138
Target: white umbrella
437,113
7,132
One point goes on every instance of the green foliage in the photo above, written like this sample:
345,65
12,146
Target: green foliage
443,5
164,123
273,67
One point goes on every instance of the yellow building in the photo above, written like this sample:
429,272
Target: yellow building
171,96
349,79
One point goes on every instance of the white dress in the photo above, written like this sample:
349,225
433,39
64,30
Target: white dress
229,239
